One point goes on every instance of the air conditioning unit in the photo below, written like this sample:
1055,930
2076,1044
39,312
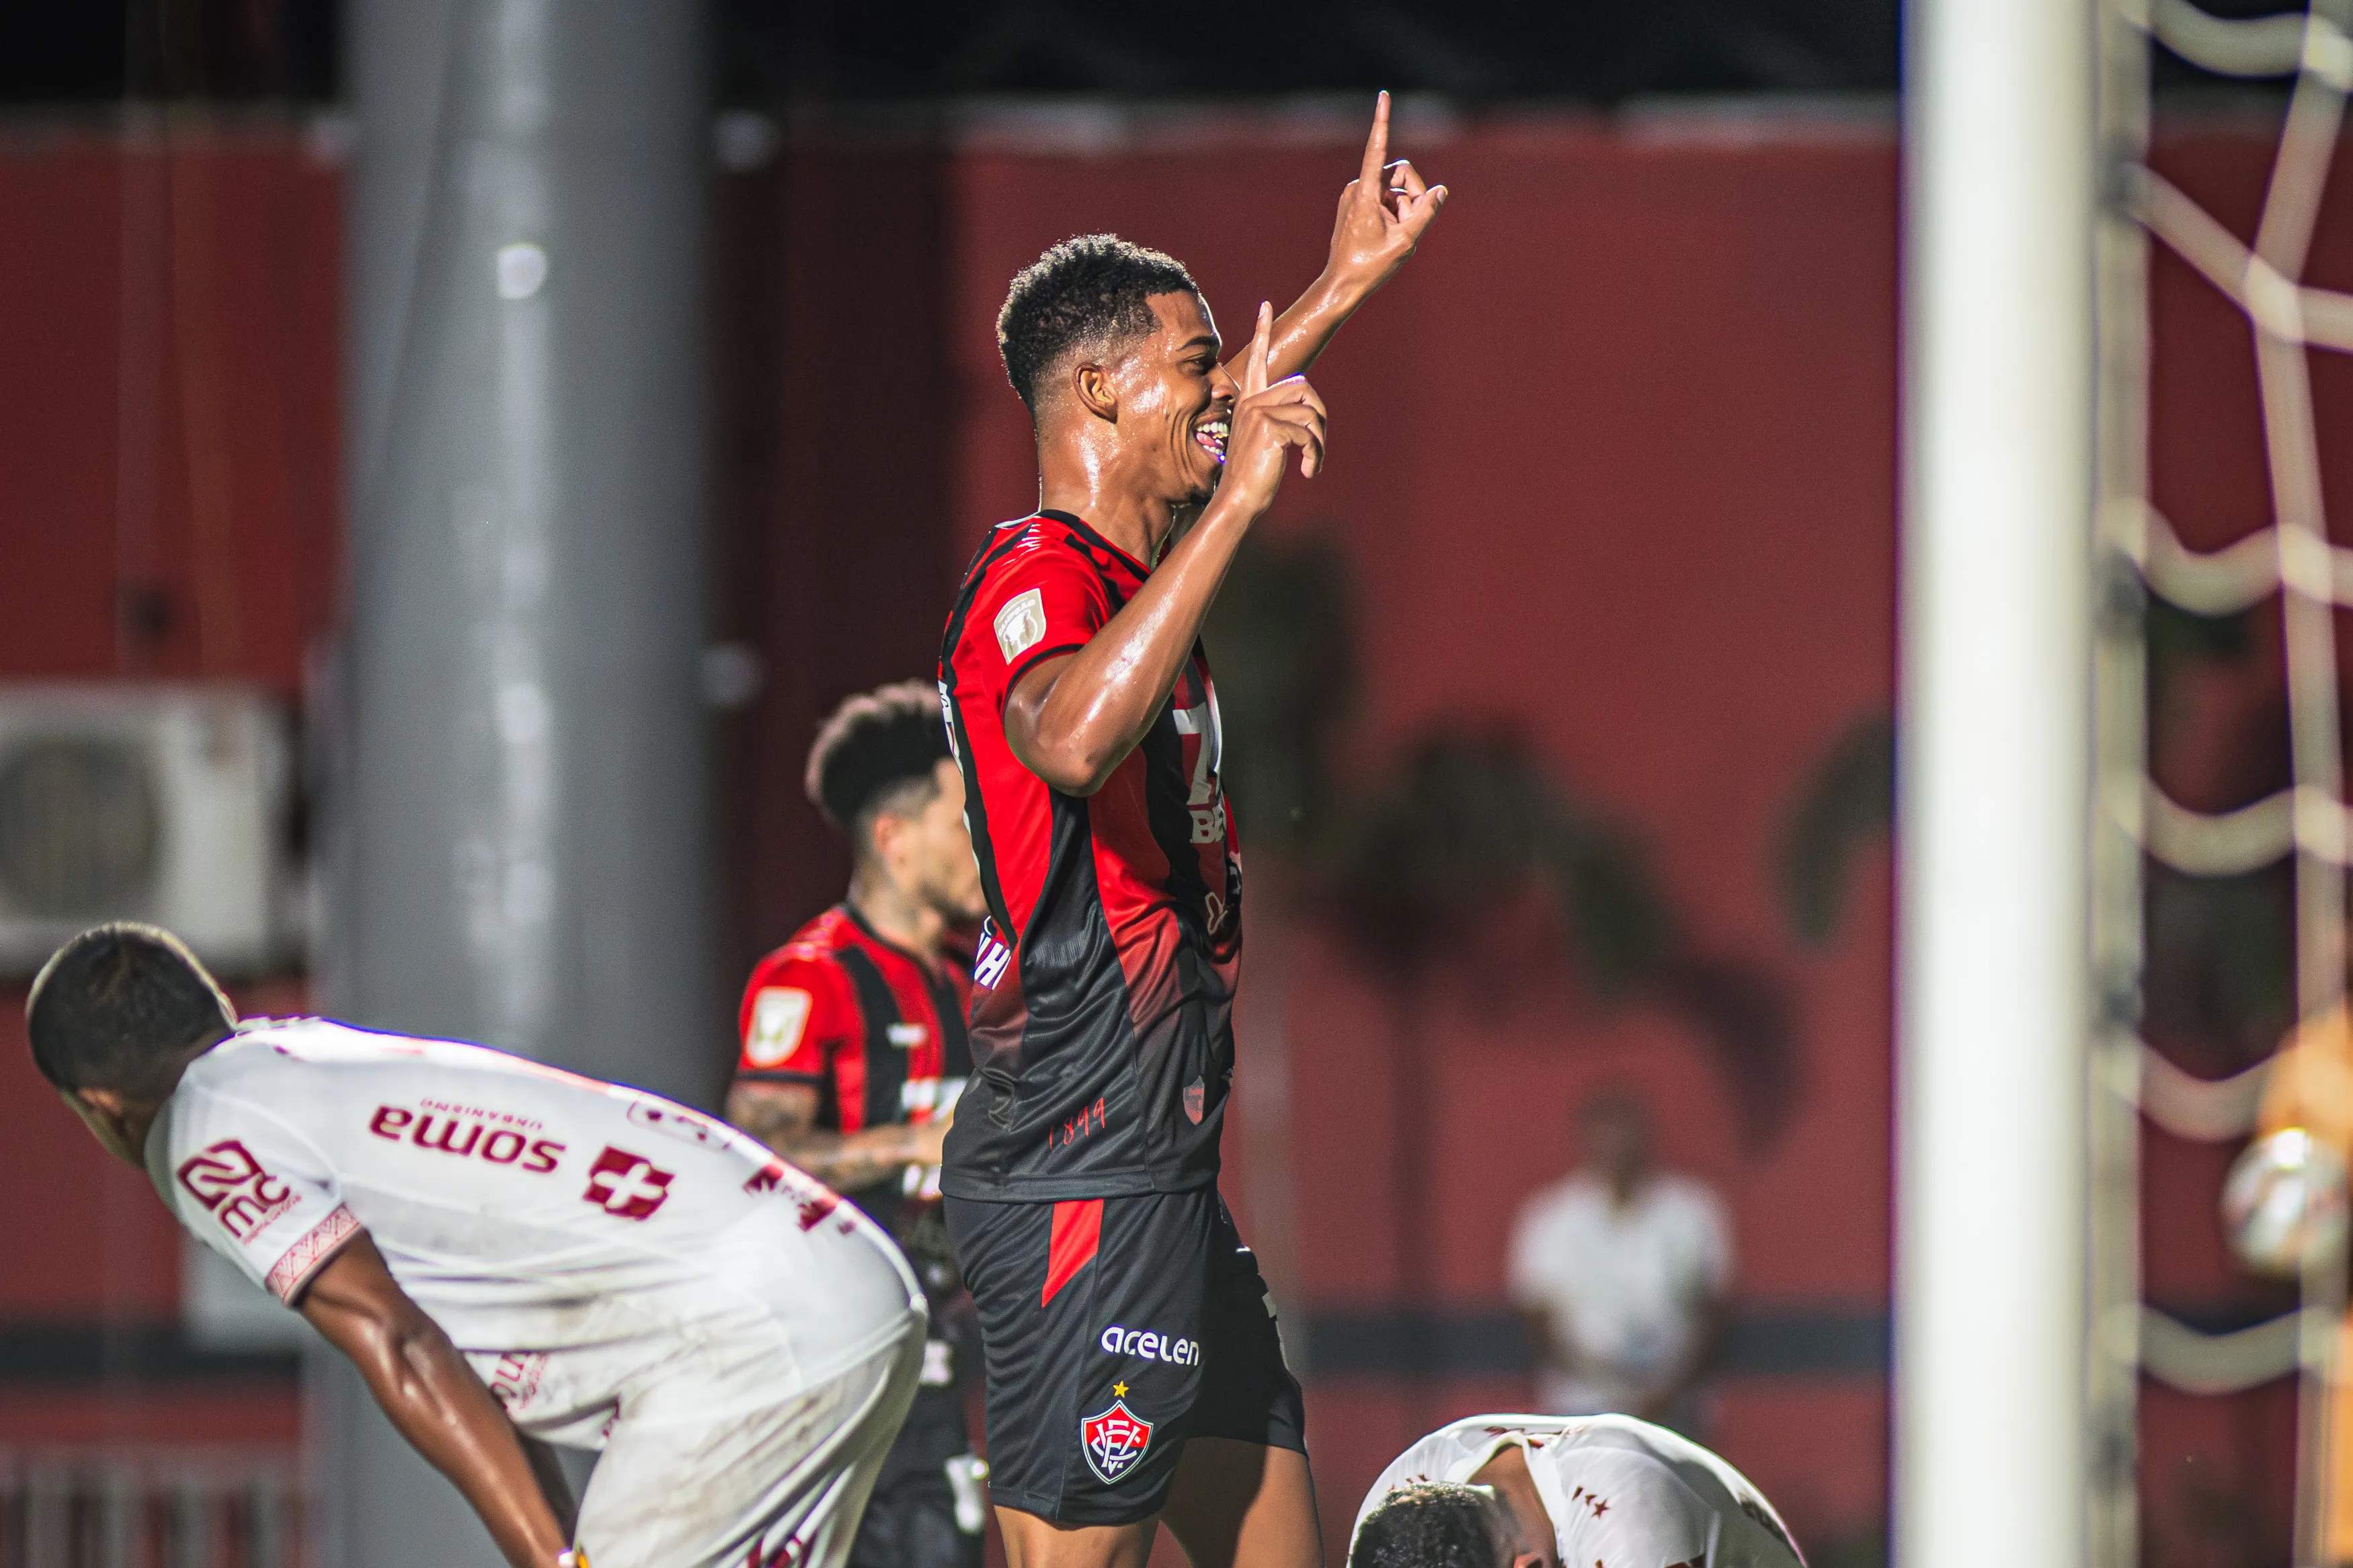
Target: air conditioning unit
166,804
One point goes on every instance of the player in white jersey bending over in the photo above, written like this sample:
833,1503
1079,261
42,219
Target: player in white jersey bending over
1543,1491
513,1255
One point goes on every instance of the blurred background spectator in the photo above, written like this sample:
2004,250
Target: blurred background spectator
1624,1274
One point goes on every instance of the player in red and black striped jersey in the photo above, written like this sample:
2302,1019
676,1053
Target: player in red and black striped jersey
854,1030
1133,1369
853,1055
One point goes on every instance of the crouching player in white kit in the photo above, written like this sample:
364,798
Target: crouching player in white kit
1542,1491
511,1254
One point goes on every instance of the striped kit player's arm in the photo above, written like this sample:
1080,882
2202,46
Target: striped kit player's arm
1384,211
799,1015
257,1191
1072,721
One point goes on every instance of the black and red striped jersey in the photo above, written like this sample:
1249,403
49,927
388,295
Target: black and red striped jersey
875,1031
1101,1021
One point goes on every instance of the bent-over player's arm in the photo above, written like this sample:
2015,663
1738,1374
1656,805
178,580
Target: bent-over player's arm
784,1117
1383,213
1072,720
435,1400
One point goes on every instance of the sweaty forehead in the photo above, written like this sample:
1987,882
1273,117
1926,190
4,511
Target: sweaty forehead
1184,319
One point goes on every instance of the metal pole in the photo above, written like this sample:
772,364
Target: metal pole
1994,1009
519,817
2120,702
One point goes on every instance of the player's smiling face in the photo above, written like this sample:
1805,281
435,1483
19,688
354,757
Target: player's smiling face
1177,402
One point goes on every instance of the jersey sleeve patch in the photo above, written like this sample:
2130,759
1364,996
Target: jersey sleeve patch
799,1015
1021,623
780,1016
1054,600
255,1192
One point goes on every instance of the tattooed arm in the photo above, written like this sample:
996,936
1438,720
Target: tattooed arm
784,1117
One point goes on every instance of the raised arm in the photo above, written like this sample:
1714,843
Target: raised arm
435,1400
1384,211
1072,720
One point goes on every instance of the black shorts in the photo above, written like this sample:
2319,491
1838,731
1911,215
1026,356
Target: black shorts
910,1522
1112,1330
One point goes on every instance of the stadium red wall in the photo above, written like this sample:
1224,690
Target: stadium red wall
1613,461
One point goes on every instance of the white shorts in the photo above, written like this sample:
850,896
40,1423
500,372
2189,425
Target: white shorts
695,1479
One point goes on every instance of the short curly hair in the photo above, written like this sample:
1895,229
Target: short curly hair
1093,291
872,750
1432,1524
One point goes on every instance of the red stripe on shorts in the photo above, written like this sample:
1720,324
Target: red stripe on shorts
1078,1233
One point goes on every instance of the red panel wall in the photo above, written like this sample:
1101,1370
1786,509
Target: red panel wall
169,434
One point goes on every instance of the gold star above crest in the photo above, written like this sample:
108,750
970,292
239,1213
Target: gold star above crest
1119,1391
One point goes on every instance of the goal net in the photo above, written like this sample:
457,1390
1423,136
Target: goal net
2306,824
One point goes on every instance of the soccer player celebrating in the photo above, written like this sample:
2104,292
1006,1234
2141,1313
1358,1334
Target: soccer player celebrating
853,1054
514,1256
1537,1491
1133,1372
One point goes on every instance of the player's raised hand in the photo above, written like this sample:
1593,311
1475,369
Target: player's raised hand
1268,422
1253,377
1384,211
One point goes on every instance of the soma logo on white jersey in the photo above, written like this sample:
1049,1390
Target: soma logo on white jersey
1020,625
476,1133
626,1185
1150,1345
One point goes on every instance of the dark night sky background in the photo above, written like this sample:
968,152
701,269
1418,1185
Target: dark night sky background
777,52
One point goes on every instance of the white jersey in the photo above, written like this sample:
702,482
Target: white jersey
1622,1493
582,1244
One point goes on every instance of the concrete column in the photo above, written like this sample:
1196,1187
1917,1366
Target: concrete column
519,828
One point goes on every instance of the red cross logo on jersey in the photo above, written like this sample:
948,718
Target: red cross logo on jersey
626,1185
1114,1439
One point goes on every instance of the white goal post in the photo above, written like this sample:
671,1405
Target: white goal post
1994,785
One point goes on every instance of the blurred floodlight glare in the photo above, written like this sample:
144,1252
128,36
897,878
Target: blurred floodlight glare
522,267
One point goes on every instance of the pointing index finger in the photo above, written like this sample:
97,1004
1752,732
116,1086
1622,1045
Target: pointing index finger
1254,367
1377,147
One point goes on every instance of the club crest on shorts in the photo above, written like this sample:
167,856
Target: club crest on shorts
1114,1439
